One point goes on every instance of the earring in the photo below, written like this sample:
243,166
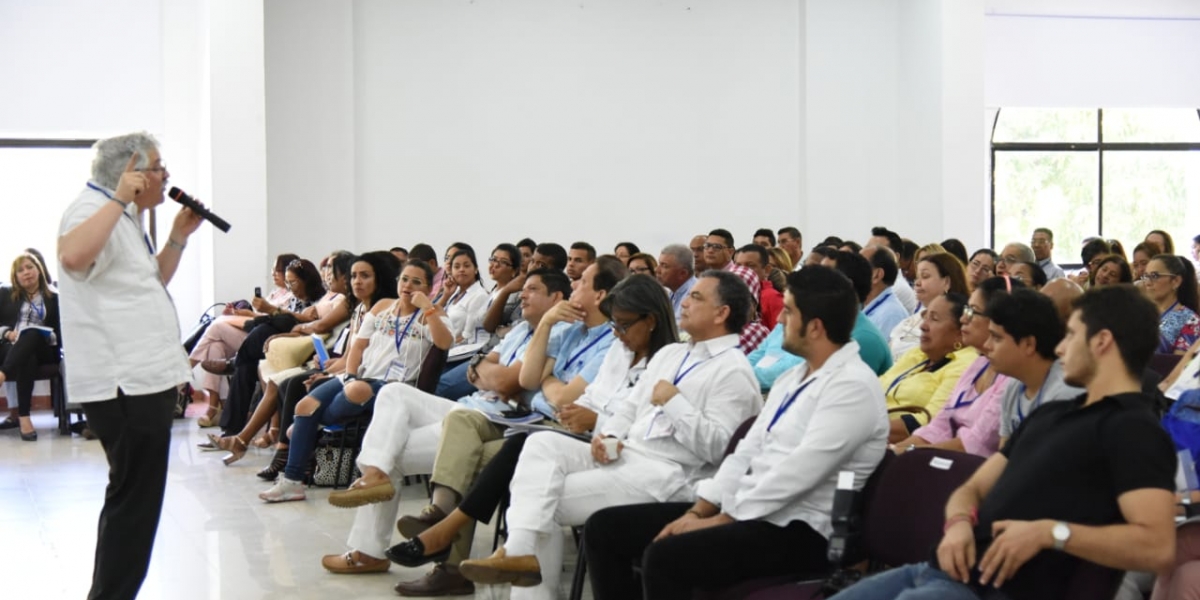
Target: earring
958,345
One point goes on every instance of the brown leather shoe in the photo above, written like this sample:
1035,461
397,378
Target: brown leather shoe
499,568
410,526
347,564
218,367
361,495
438,582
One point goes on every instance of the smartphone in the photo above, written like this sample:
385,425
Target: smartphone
258,292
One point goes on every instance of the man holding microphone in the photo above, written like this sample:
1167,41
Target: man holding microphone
125,360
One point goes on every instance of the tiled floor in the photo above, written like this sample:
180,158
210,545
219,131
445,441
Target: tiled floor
216,540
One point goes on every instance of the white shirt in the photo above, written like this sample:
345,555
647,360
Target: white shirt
905,294
613,383
788,471
905,336
381,332
466,311
687,436
118,316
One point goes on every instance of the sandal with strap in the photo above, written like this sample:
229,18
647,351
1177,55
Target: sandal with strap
276,467
267,439
237,449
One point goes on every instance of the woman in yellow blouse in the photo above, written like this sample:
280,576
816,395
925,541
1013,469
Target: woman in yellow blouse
919,383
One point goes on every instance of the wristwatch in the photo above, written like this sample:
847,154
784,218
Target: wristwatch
1061,532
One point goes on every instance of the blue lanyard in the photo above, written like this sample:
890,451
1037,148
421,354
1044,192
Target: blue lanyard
878,301
1167,312
401,335
39,309
679,376
108,195
1037,401
896,381
959,402
574,359
788,402
918,310
517,348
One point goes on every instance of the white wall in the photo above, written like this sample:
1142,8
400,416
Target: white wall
561,121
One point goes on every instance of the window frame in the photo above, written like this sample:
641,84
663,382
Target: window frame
1099,146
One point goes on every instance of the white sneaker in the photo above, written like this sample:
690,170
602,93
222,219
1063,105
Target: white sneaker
284,490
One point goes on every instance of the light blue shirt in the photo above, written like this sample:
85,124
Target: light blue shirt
886,311
678,295
511,350
579,353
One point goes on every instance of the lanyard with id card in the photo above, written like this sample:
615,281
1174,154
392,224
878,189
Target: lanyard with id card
397,370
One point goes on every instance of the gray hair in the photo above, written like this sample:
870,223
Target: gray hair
682,255
1026,253
113,154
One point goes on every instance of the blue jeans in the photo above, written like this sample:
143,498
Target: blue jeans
333,407
453,383
911,582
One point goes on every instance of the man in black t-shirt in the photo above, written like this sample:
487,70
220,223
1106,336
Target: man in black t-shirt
1086,479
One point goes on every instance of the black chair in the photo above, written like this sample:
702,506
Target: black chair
1163,364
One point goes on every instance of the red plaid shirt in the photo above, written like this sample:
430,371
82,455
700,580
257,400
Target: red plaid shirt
754,332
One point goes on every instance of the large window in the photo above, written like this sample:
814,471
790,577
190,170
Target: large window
1114,173
38,180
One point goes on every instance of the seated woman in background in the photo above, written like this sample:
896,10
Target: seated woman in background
625,250
1113,269
927,250
371,277
1117,248
464,298
225,335
1093,250
1029,273
981,267
503,307
1162,239
970,419
1142,253
390,346
956,249
937,274
920,382
641,264
333,311
30,335
781,265
1170,282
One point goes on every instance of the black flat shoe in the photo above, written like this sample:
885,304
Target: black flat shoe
9,423
412,554
29,437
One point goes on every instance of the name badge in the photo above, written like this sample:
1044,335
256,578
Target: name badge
481,335
766,361
660,426
396,371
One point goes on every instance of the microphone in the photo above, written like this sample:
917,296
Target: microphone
181,197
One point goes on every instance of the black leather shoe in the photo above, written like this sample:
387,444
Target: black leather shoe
9,423
412,554
438,582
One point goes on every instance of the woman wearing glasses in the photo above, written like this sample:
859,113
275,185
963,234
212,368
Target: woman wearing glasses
920,382
641,263
970,419
643,321
981,267
1170,282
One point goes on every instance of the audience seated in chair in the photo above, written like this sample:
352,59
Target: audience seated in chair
1090,479
1170,282
938,273
30,335
766,511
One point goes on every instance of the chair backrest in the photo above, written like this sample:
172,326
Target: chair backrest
906,508
1091,581
1163,364
431,370
738,434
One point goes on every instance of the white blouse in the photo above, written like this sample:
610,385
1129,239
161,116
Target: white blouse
466,310
391,338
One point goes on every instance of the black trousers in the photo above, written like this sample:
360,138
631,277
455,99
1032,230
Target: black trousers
245,376
135,432
710,559
21,360
490,486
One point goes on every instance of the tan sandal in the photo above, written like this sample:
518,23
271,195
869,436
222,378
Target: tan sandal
346,564
267,439
236,448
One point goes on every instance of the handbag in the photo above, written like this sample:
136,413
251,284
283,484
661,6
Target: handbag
281,322
335,465
197,332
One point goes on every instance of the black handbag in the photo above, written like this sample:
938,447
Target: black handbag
197,332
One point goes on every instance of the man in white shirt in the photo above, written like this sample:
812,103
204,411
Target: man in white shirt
882,307
767,511
671,432
1043,244
676,273
882,236
792,242
126,361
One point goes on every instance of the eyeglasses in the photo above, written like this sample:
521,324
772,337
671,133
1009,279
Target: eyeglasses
162,168
499,261
982,267
640,270
623,328
1153,276
970,312
1095,262
1010,260
412,280
717,247
1039,242
290,283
